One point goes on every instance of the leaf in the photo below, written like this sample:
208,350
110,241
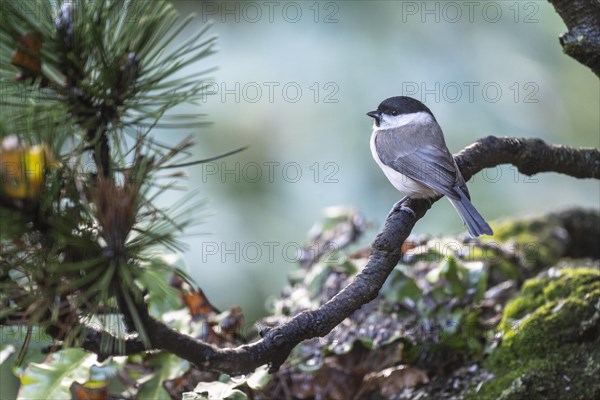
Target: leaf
15,335
161,296
316,277
6,352
448,270
346,266
215,391
52,379
84,392
27,54
198,303
422,253
393,380
259,378
477,275
401,287
168,367
451,325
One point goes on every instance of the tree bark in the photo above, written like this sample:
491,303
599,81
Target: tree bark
582,40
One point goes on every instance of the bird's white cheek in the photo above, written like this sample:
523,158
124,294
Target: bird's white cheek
396,121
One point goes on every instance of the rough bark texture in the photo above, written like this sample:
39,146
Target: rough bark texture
582,41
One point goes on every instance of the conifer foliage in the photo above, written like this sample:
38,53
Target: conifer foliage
84,85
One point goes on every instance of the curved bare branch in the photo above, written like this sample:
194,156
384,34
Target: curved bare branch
530,156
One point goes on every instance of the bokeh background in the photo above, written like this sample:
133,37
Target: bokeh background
294,82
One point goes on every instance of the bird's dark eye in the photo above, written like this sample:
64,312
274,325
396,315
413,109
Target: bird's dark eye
394,112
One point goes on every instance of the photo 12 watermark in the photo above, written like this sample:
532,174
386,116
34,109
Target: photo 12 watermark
15,93
472,91
252,12
267,252
453,12
492,252
39,11
269,172
270,91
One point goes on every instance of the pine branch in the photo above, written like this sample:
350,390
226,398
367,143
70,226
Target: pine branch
530,156
93,339
106,69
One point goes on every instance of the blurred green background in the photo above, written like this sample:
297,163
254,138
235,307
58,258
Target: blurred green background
294,82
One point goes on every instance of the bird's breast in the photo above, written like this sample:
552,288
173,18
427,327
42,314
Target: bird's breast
400,181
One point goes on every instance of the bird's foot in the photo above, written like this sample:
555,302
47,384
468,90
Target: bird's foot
398,207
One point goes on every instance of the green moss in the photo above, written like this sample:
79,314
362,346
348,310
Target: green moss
537,242
569,373
569,284
550,347
509,270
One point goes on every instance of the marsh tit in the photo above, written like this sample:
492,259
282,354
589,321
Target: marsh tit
408,145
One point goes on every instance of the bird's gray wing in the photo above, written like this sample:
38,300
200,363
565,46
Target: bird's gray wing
426,160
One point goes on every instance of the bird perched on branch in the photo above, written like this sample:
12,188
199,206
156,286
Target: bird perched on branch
408,145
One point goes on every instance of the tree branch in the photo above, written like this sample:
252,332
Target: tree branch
530,156
93,337
582,41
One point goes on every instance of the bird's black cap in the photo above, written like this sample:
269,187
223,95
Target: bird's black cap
399,105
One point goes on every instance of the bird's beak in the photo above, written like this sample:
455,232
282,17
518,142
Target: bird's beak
376,115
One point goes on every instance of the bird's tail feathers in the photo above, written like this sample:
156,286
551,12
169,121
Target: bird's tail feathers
476,224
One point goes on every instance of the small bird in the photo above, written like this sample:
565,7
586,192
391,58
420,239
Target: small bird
408,145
